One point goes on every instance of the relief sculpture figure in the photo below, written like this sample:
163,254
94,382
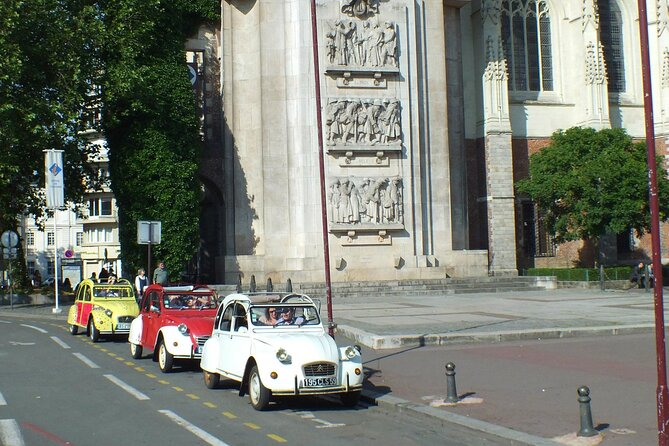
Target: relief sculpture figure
363,122
362,44
353,201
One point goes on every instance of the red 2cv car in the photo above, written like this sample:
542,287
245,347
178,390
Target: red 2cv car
173,322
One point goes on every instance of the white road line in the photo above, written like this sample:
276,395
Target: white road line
5,322
3,402
204,436
86,361
60,342
10,434
131,390
41,330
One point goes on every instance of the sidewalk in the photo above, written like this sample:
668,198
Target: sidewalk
407,342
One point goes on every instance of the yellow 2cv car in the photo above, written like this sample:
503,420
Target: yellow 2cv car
103,308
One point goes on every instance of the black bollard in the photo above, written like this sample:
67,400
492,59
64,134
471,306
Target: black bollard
451,392
270,287
239,284
587,430
252,286
289,286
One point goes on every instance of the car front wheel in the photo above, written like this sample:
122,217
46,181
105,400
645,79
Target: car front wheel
135,351
258,393
74,329
211,380
165,358
93,332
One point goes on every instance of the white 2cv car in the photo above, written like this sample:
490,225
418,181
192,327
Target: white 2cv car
277,347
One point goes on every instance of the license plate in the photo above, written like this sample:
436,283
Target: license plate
320,382
123,326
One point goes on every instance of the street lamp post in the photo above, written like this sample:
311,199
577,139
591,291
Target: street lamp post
662,400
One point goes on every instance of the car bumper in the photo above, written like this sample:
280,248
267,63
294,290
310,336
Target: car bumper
299,389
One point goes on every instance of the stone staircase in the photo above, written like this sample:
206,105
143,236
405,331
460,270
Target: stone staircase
468,285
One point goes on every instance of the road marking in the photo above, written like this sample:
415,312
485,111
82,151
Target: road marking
252,426
210,405
21,343
10,434
129,363
277,438
192,396
41,330
5,322
178,389
162,381
203,435
151,375
323,424
131,390
54,439
140,369
3,402
60,342
86,361
230,415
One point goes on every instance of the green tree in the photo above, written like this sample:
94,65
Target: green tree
151,125
588,183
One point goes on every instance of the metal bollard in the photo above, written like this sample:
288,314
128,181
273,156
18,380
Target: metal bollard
252,286
451,392
289,286
270,287
587,430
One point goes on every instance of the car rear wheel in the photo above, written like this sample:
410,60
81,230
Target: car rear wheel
135,351
74,329
93,332
258,393
165,358
350,399
211,380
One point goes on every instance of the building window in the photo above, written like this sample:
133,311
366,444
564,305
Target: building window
31,267
526,36
611,35
537,241
80,239
30,238
50,238
100,235
51,269
100,207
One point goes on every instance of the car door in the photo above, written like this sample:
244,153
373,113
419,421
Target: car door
151,319
222,335
239,341
79,302
86,304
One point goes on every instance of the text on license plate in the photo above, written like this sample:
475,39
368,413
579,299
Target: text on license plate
320,382
123,326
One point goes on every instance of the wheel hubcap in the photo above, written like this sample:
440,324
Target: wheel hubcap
161,356
254,388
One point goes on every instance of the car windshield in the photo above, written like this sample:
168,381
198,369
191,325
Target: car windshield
113,291
189,301
284,315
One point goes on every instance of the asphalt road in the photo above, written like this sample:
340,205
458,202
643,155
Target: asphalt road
59,389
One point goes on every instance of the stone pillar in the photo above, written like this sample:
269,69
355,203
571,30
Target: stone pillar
596,94
498,152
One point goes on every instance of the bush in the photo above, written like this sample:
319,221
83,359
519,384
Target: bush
582,274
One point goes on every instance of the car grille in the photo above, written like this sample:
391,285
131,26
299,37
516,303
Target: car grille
201,340
319,369
127,319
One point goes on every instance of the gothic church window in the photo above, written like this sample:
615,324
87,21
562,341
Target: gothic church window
611,35
526,35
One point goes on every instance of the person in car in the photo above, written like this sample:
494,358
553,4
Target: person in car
270,317
287,317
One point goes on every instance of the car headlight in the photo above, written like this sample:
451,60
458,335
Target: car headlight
350,352
183,328
106,311
283,356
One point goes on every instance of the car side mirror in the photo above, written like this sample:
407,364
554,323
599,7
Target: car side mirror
154,309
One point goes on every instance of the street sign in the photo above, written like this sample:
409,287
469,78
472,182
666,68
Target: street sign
69,253
9,239
149,232
9,253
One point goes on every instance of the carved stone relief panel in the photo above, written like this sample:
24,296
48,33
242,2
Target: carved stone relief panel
365,204
360,8
363,123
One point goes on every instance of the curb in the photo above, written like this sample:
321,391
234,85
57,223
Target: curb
382,342
400,405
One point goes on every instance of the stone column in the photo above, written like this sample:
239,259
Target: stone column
498,152
596,94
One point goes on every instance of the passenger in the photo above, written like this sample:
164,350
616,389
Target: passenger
269,318
287,317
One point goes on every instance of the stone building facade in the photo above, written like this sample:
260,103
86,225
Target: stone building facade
430,110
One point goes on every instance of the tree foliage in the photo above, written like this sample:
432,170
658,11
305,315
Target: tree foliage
588,183
44,83
151,125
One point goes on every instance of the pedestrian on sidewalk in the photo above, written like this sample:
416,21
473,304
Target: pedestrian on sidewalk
637,276
160,274
141,281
